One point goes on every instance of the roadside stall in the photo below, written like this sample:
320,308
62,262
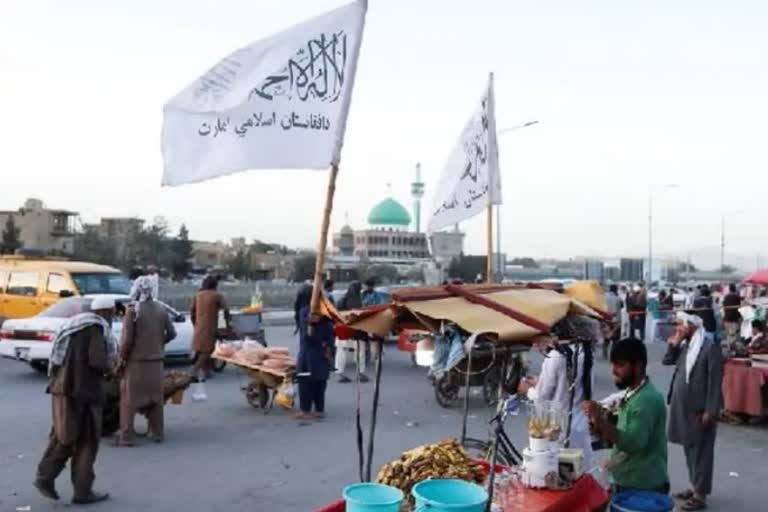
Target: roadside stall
268,372
496,324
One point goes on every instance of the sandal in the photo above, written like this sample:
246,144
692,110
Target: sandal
684,495
694,503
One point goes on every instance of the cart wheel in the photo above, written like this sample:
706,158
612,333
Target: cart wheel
491,381
257,395
446,393
218,365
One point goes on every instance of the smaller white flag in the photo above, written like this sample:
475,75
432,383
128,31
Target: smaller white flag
471,179
280,103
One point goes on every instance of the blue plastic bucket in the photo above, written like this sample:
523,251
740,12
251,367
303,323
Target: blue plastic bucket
449,496
372,498
641,501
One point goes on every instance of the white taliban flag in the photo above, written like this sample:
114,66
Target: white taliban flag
471,179
280,103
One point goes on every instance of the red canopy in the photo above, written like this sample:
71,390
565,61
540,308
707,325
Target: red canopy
759,277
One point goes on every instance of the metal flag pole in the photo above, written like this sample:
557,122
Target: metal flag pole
489,262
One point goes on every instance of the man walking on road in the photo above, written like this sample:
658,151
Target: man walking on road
732,317
81,355
637,304
147,327
614,306
694,404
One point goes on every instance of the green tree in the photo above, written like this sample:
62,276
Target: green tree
153,247
11,237
416,275
524,262
467,268
304,267
383,273
90,247
239,264
727,269
181,254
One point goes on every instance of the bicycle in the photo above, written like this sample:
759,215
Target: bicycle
506,452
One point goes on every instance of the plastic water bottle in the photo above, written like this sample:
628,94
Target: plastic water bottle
256,301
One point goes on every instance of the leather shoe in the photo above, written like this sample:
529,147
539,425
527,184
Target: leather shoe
94,497
47,489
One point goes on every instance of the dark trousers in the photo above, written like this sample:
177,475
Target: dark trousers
700,459
637,323
617,489
155,420
312,392
83,455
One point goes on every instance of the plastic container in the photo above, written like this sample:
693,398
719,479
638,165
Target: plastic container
641,501
372,498
449,496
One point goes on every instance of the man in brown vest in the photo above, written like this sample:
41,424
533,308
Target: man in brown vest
147,327
80,357
205,317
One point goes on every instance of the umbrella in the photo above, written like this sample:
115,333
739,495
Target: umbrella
759,277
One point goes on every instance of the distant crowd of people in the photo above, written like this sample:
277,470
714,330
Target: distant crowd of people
634,313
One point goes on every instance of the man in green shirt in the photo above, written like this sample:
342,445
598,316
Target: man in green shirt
639,457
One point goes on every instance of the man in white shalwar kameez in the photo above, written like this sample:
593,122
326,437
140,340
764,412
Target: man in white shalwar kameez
552,384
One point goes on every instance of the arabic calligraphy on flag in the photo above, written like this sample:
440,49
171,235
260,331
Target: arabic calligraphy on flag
280,103
470,179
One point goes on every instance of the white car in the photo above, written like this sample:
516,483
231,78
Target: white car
30,340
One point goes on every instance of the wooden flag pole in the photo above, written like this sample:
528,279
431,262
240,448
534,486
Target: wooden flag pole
317,284
489,262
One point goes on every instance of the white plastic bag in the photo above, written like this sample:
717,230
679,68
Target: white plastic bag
198,392
288,389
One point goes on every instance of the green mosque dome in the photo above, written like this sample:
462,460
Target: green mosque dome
389,213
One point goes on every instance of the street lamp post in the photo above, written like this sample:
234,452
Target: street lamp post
499,262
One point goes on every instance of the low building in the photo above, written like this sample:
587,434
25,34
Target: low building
207,255
273,265
594,270
631,269
122,232
41,229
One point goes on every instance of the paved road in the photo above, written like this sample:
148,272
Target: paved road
224,455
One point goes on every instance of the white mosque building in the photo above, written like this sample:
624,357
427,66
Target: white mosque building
389,240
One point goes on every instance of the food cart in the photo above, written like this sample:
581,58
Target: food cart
247,324
499,320
261,382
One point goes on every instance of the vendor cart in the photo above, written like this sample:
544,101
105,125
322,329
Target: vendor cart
492,366
174,384
409,338
242,326
262,384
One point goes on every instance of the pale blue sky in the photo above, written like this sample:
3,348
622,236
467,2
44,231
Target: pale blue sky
628,93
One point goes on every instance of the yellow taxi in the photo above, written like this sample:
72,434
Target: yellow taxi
28,286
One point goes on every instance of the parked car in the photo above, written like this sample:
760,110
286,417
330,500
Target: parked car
30,340
29,285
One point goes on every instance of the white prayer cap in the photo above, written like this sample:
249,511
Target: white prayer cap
102,302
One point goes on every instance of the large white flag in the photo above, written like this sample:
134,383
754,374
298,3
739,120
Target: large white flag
471,179
280,103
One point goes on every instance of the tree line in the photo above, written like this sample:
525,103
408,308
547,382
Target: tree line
153,244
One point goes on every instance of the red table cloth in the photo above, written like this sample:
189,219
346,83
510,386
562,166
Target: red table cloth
586,495
742,388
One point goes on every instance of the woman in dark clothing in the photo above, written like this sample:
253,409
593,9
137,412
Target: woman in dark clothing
313,368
